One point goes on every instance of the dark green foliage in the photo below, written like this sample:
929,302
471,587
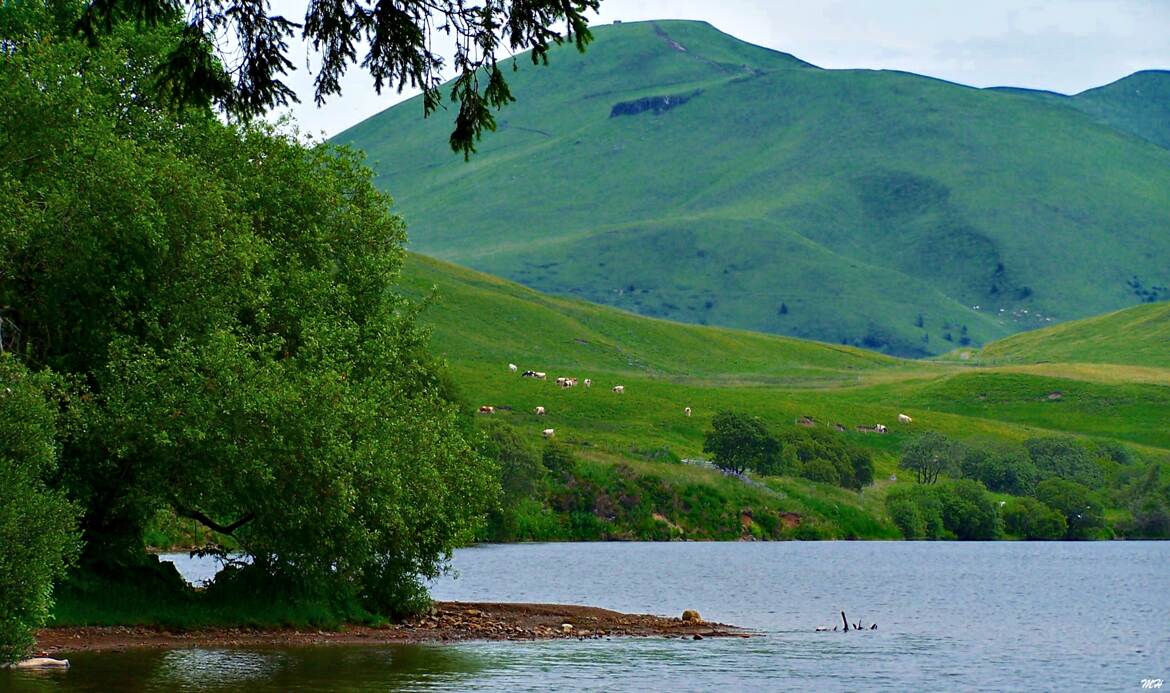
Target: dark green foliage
1065,458
221,300
968,511
931,454
37,525
820,455
397,42
1081,508
916,511
1001,469
739,442
521,472
1028,518
960,509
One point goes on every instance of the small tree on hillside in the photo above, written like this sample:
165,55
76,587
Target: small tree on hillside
929,455
740,442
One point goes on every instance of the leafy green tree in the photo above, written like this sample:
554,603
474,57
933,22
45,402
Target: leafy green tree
929,455
37,525
740,442
968,511
916,511
1067,458
247,79
1029,518
1006,470
223,298
1081,508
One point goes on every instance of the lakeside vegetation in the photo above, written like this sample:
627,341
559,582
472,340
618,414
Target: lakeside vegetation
1006,427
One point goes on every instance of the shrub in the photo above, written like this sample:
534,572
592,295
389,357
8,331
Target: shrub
1029,518
1062,457
1004,470
1079,506
968,511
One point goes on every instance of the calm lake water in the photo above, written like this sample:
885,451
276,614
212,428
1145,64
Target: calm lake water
951,616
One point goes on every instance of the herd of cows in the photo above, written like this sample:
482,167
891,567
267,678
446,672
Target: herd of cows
563,382
567,382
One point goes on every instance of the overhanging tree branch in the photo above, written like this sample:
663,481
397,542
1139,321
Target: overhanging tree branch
246,79
198,516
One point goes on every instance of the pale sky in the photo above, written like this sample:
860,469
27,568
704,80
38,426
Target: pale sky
1061,45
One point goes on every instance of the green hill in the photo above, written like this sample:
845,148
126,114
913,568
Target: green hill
480,324
1138,336
677,172
628,444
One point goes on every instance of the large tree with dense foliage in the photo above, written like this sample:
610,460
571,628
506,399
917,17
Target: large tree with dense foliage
740,442
929,455
222,299
236,53
1081,508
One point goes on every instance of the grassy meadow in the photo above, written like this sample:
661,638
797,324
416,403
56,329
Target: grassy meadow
480,324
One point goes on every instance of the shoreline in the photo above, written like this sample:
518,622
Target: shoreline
446,622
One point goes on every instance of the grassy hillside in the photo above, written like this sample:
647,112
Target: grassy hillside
480,324
677,172
1138,336
629,443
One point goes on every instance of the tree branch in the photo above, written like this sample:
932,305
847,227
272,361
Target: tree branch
198,516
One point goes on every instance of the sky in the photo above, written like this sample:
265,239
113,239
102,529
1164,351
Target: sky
1060,45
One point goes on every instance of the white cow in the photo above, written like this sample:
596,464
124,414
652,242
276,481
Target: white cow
539,411
548,433
539,375
687,411
902,418
588,382
619,389
512,367
879,428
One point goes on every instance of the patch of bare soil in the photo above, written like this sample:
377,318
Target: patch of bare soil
447,622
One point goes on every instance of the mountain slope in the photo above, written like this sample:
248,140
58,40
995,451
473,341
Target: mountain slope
677,172
481,323
1138,336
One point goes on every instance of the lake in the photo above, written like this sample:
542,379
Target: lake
951,616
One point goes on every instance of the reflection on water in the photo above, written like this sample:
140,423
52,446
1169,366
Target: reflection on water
199,669
993,616
334,668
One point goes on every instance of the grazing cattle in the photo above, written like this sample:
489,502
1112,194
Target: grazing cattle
512,367
528,374
567,382
485,409
902,418
548,433
806,421
619,389
687,411
879,428
839,427
588,382
539,411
